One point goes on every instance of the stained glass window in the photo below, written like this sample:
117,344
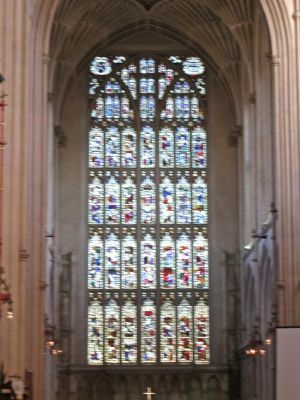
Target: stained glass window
148,250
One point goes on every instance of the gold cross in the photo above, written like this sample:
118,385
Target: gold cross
149,393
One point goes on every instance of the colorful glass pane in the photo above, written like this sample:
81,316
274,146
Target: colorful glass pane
200,261
185,332
95,332
112,87
168,332
183,147
183,200
199,189
162,85
96,197
129,262
129,148
112,332
112,199
148,262
168,112
184,261
182,87
148,206
147,85
129,80
119,60
147,147
175,59
199,151
147,66
167,262
195,112
95,261
129,332
97,111
112,262
100,66
147,108
166,148
193,66
200,85
112,147
128,201
147,210
94,84
167,201
182,107
96,148
126,112
201,329
148,330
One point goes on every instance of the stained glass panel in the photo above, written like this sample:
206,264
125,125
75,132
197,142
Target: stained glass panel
95,330
183,150
183,199
112,198
129,330
148,206
166,150
147,212
167,262
193,66
147,108
167,201
201,329
199,151
147,66
112,331
200,261
168,330
96,197
96,148
148,262
199,190
112,261
95,260
128,199
184,261
129,259
185,330
97,111
112,147
147,147
148,329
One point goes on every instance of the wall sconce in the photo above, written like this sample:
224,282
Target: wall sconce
5,296
52,344
256,346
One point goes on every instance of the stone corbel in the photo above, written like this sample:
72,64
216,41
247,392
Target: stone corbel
234,135
23,255
60,135
252,98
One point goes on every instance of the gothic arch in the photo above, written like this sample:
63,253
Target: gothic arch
41,27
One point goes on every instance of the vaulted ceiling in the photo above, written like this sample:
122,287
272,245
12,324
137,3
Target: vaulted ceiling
221,31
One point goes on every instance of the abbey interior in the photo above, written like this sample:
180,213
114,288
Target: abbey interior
149,197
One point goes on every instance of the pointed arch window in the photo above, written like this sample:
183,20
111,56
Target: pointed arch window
147,212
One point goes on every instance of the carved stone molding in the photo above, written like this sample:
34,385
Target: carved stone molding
148,4
60,135
234,135
252,98
43,285
130,385
23,255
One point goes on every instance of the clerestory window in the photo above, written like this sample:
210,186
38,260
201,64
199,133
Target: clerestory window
148,246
